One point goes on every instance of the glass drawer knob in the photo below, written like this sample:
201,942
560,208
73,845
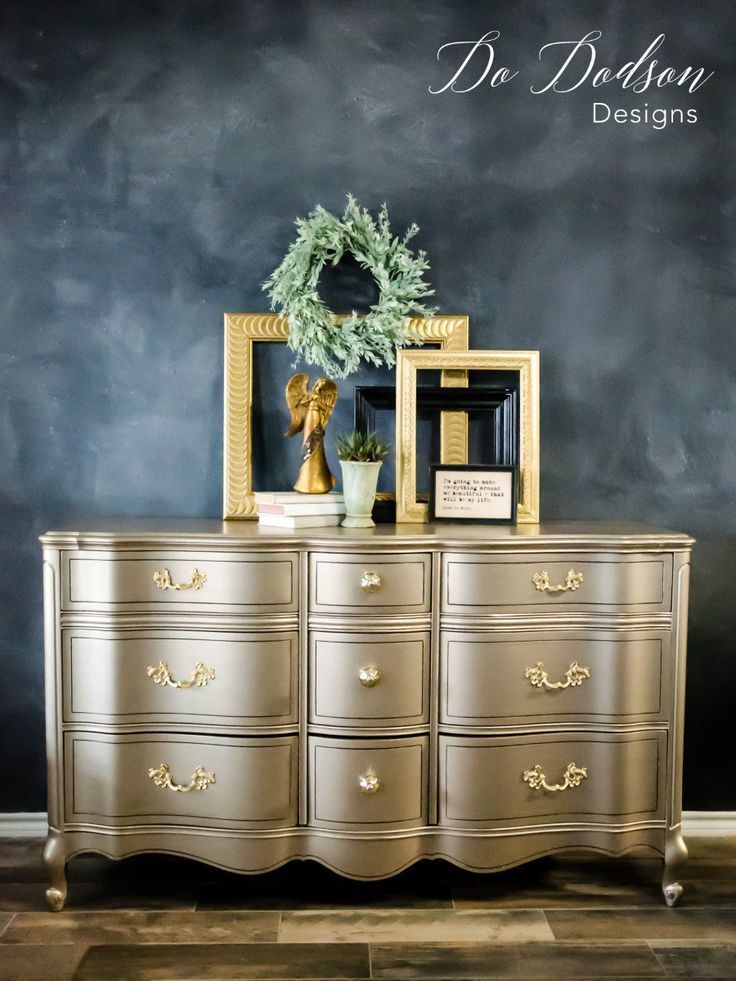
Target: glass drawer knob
369,676
369,784
370,582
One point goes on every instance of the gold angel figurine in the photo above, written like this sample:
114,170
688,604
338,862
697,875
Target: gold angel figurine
310,412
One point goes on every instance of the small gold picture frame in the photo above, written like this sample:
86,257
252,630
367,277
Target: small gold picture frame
243,330
409,363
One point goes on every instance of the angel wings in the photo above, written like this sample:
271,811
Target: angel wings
309,414
302,403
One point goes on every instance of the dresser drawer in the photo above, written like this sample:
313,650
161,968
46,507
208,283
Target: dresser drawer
146,676
251,582
369,679
353,584
603,583
611,676
377,784
117,781
493,781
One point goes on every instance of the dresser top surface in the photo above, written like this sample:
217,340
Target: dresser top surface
198,532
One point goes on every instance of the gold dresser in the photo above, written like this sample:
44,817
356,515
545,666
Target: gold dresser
365,698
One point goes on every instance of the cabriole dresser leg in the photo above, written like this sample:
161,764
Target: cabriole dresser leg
54,856
674,855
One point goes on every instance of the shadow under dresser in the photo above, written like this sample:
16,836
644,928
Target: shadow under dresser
364,697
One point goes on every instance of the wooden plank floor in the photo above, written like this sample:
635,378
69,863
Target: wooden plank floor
153,917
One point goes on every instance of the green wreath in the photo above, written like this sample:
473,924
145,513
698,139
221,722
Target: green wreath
316,335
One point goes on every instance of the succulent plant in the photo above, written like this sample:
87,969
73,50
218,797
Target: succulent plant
358,447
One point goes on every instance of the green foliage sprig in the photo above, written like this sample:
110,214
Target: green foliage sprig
357,447
316,335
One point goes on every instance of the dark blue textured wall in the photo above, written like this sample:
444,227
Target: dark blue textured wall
153,157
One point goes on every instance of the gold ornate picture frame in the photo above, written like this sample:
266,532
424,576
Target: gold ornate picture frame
409,363
243,330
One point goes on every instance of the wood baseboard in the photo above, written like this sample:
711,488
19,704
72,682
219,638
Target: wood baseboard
696,824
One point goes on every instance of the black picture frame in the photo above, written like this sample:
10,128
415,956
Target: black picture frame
500,399
469,469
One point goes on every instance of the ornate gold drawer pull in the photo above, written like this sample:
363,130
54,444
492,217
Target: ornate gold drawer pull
199,678
162,578
161,776
369,676
369,784
572,582
572,777
575,675
370,582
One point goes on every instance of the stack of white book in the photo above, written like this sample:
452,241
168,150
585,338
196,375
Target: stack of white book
289,509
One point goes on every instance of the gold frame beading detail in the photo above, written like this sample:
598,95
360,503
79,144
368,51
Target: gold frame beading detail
409,363
242,330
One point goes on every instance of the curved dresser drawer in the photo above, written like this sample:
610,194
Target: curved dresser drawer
375,784
608,676
118,781
211,582
369,679
139,677
524,781
358,583
478,585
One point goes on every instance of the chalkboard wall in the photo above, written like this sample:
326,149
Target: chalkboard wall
154,156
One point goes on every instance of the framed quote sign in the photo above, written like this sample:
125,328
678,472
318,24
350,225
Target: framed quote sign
477,494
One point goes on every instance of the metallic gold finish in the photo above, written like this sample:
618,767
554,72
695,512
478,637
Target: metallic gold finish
369,676
575,675
199,678
163,580
243,330
451,734
255,685
572,777
342,770
675,853
482,786
207,533
675,849
55,899
572,582
248,581
483,678
369,783
370,582
310,413
255,779
54,857
340,670
672,893
479,585
336,583
409,363
161,776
